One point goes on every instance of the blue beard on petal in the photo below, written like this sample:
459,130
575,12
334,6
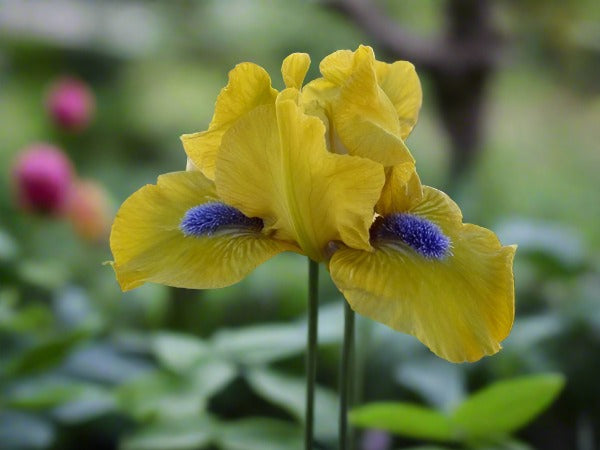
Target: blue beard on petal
210,218
420,234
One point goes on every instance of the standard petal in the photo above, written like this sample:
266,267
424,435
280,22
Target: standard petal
249,86
294,69
274,164
365,118
401,84
401,190
461,306
320,91
337,66
316,99
148,245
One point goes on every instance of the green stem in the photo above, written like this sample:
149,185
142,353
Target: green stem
346,375
311,353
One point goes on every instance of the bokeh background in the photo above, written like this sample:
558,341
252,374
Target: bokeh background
510,126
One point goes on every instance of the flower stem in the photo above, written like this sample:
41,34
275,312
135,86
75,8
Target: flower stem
311,353
346,376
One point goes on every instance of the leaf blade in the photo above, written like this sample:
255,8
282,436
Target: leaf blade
405,419
506,406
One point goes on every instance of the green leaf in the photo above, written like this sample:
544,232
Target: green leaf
43,393
102,362
259,434
45,354
212,376
8,247
85,408
331,315
164,395
190,434
31,318
506,444
289,393
260,344
405,419
25,431
48,274
439,382
508,405
178,352
556,248
159,396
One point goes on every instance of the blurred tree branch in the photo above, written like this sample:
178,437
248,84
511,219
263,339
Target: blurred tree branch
460,62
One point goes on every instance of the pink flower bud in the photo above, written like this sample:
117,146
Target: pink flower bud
71,104
43,177
89,210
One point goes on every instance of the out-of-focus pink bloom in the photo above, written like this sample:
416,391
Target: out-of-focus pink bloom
43,176
89,210
70,104
376,440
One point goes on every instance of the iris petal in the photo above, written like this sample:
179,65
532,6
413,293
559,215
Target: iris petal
149,246
249,86
365,118
461,306
294,69
274,164
337,66
401,84
402,189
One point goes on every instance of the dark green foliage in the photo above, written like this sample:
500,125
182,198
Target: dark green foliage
83,365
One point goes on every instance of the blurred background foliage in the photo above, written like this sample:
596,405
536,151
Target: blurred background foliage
83,365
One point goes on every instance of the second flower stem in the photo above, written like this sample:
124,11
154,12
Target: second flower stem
311,351
346,376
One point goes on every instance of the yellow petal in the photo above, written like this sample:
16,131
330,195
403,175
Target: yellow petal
321,92
337,66
461,306
294,69
364,117
148,245
249,86
402,189
274,164
316,99
190,166
401,84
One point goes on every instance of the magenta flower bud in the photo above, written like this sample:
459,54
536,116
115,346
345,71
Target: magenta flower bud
43,177
71,104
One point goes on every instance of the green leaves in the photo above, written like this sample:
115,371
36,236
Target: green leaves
289,393
196,433
406,419
178,352
260,434
493,412
507,405
163,395
45,354
180,435
39,433
261,343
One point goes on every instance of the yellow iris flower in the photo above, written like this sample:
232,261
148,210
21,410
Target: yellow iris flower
276,188
323,170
